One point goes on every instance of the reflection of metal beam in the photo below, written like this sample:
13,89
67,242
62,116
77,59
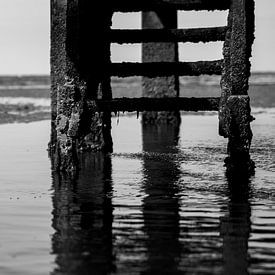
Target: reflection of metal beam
148,5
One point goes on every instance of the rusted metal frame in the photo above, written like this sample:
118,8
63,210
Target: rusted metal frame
194,35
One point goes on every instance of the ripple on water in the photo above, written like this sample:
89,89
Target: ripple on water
161,204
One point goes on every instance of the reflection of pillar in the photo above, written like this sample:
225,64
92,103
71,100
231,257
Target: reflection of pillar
236,227
160,52
161,204
78,71
82,219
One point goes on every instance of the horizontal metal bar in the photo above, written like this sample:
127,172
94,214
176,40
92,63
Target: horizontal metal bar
154,69
155,104
165,35
151,5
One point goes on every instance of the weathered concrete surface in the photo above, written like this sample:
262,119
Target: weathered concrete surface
234,111
160,52
237,125
77,67
237,118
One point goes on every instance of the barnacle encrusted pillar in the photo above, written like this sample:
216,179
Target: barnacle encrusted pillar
160,52
77,70
234,113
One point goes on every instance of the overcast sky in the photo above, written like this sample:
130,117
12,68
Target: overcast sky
24,32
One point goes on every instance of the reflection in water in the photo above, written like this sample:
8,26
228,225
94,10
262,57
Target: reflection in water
165,218
236,226
82,218
161,202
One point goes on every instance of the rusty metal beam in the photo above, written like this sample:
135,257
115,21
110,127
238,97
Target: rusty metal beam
151,5
165,35
155,104
154,69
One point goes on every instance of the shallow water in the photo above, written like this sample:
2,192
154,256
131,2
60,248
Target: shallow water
161,204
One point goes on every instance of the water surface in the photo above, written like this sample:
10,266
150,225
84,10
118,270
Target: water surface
161,204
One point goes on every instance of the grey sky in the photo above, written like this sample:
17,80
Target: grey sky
24,30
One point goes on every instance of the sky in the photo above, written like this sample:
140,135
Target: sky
25,36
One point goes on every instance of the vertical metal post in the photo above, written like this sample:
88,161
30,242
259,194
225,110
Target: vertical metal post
160,52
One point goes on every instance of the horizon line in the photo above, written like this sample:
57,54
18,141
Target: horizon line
48,74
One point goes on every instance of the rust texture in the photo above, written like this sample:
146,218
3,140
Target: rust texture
58,59
238,122
151,5
234,112
154,69
194,35
166,86
239,133
155,104
75,80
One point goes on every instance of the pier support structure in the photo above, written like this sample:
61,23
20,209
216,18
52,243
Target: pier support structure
81,69
234,111
78,65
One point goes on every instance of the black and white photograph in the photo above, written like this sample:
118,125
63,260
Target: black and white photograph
137,137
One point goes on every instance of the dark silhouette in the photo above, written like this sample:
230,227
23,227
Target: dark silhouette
161,204
82,218
236,226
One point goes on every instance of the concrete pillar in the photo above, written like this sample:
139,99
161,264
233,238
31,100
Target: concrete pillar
234,111
79,55
160,52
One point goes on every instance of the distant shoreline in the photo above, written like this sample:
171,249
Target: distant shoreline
27,98
45,80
